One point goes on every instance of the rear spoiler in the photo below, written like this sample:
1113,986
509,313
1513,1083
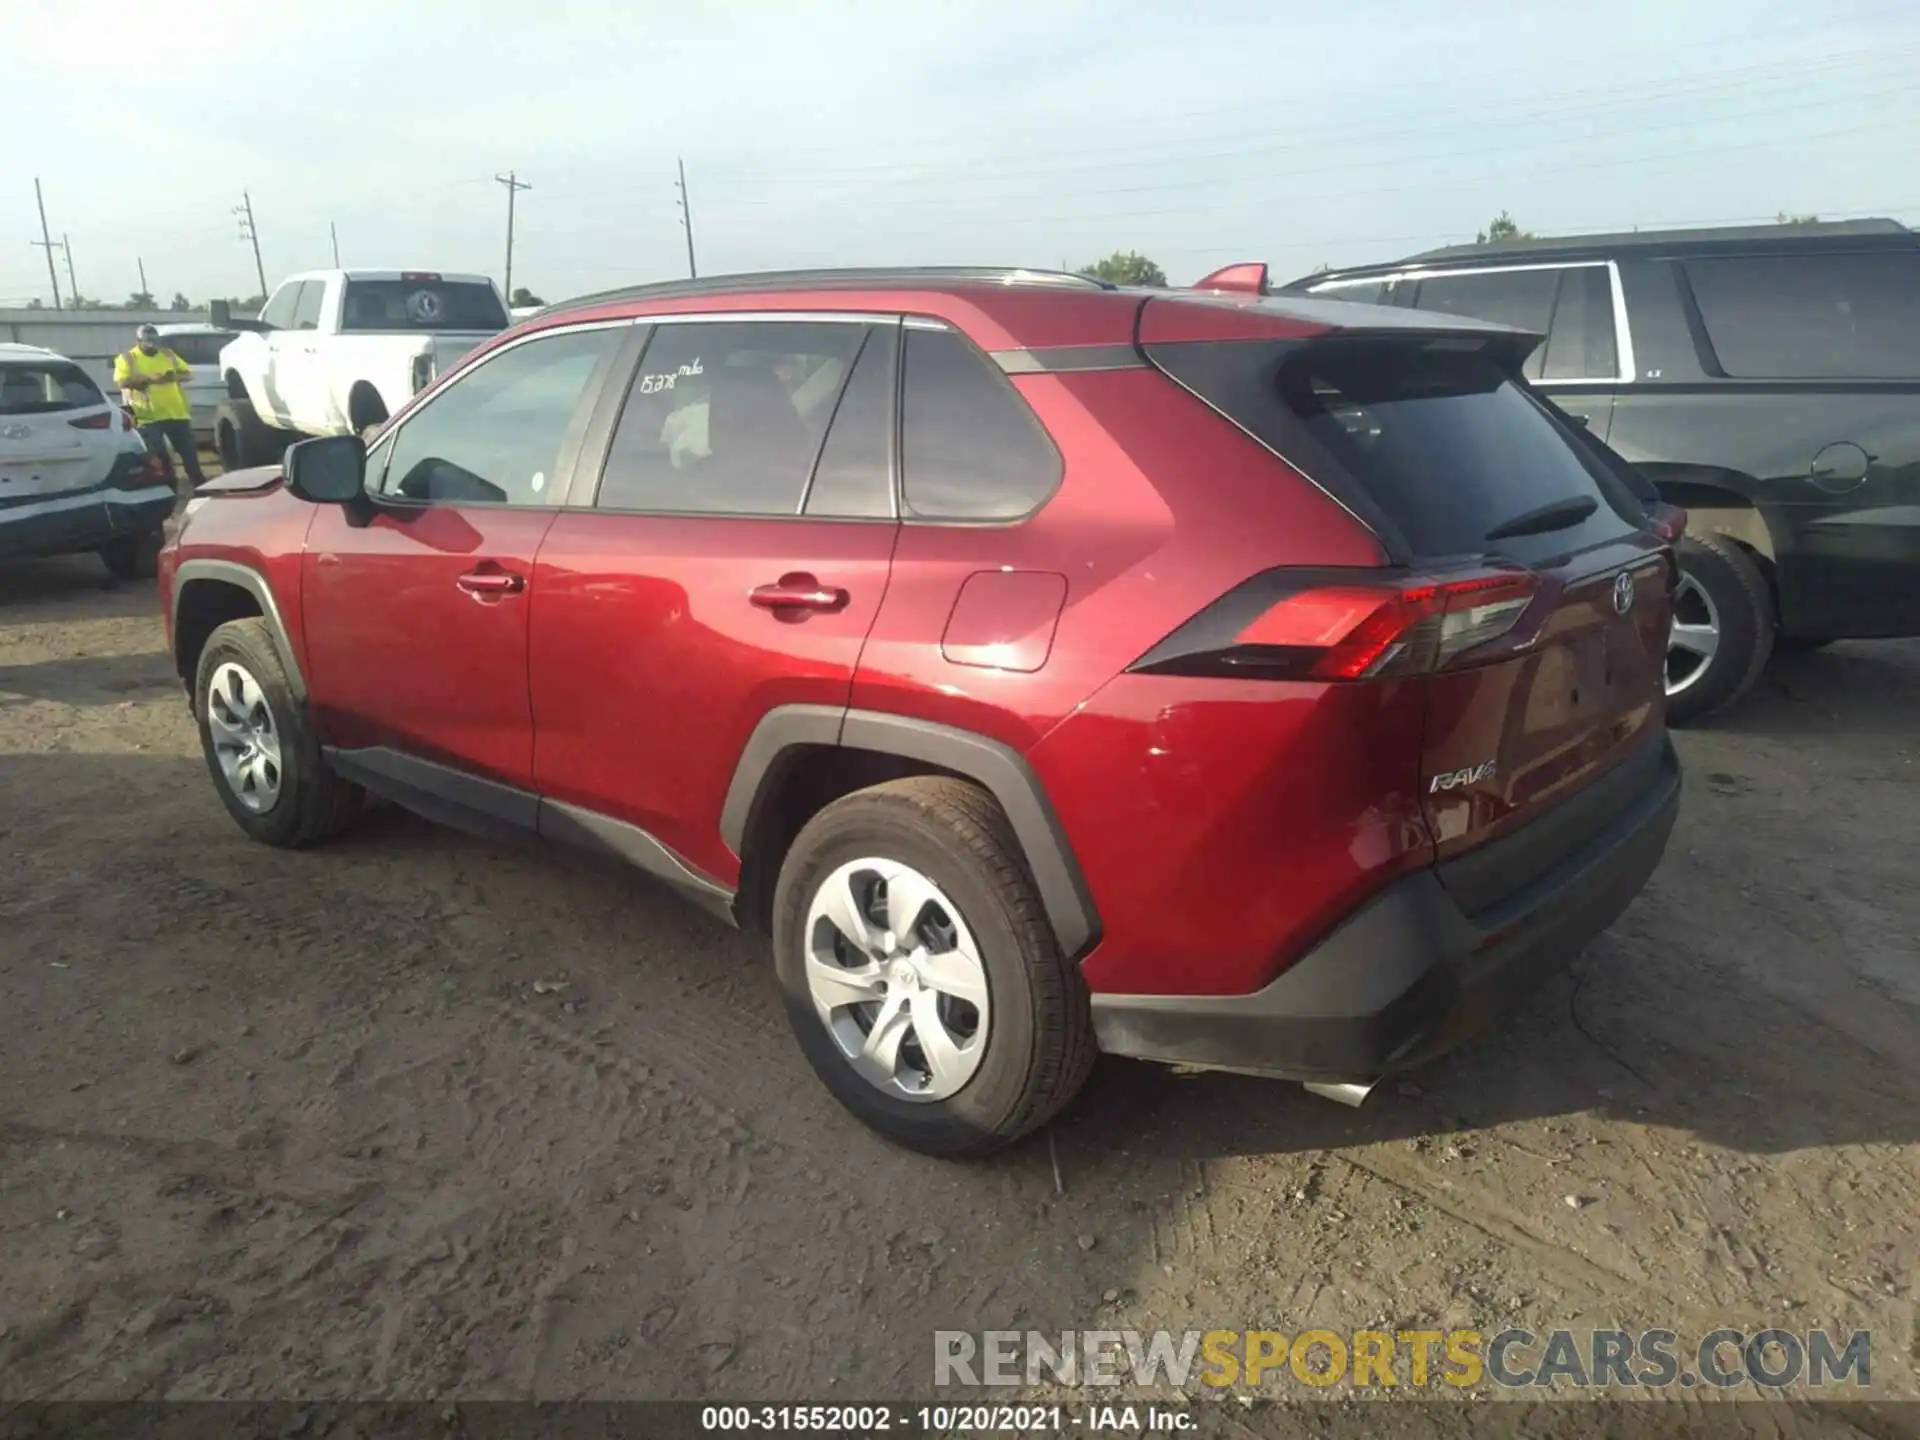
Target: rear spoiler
1249,277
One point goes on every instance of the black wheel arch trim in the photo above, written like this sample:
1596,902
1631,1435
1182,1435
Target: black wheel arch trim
1002,771
244,577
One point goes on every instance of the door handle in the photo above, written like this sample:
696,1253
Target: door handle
798,592
491,584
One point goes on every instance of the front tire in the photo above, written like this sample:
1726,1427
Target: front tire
1723,628
243,439
920,975
264,758
133,557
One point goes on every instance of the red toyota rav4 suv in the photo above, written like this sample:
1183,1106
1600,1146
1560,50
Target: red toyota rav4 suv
1271,684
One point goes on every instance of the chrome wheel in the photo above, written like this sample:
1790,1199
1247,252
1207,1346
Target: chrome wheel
246,740
1695,637
897,979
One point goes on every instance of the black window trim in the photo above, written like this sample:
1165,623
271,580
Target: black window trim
615,390
572,447
1625,367
994,368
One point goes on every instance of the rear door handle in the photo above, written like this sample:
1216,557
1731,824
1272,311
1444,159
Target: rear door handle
798,592
491,584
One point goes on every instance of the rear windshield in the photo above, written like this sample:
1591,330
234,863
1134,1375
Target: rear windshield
41,387
196,349
1431,436
421,305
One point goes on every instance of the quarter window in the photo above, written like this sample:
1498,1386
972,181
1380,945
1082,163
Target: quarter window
970,447
727,417
1814,317
494,435
1581,344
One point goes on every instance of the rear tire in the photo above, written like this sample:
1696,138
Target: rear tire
991,1068
1723,628
133,557
242,438
259,746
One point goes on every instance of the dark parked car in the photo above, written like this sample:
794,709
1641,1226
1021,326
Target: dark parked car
1047,667
1765,379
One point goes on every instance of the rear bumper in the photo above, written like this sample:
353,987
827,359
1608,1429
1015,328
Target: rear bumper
1410,974
83,520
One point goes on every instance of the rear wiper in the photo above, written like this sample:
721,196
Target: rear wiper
1554,515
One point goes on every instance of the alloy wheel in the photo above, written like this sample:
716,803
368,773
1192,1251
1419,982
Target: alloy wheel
1695,636
897,979
246,738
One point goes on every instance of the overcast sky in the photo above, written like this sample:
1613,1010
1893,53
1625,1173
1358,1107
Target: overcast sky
922,131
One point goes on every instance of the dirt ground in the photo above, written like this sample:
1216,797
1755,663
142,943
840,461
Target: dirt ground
419,1115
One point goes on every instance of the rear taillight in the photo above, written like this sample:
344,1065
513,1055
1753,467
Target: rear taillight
1286,625
422,372
101,421
1669,522
126,418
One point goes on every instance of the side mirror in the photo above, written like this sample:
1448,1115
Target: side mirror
220,313
327,470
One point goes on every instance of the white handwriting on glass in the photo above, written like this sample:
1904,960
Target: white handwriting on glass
654,384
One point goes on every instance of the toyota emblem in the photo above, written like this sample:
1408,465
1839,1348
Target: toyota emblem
1623,592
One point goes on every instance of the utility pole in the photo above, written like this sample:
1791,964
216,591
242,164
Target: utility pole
334,231
45,242
686,220
251,233
514,186
73,285
141,261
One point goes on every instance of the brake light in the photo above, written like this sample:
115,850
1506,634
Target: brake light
93,422
1344,631
419,277
1669,522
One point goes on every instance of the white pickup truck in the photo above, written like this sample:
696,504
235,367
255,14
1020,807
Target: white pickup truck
335,352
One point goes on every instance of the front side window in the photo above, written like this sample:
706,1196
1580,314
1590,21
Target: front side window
494,435
277,313
306,309
728,417
970,447
1812,317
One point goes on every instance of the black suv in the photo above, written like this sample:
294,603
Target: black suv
1766,379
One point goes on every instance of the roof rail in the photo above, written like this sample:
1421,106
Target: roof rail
837,279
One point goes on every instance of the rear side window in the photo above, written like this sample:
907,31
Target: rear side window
1581,344
1812,317
855,475
727,418
970,447
1520,298
197,349
43,387
421,305
1432,435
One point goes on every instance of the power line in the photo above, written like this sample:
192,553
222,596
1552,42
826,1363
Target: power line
250,232
45,242
686,219
514,186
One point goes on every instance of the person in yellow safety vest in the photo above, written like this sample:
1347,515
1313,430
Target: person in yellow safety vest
149,377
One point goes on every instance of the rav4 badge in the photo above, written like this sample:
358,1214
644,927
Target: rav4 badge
1454,779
